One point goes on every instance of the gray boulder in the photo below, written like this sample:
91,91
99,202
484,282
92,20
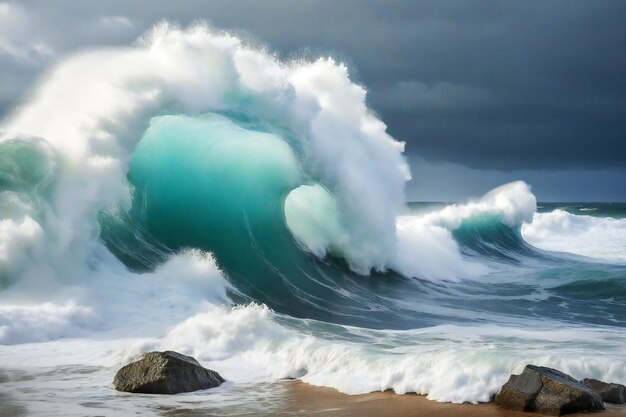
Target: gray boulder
547,391
165,373
610,393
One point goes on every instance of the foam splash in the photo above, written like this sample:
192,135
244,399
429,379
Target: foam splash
18,241
110,95
247,344
251,344
514,203
112,301
600,238
43,322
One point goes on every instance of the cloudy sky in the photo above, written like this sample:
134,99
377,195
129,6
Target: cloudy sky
483,92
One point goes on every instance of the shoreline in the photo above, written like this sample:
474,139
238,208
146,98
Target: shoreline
304,399
280,398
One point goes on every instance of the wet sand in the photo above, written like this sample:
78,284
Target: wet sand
304,399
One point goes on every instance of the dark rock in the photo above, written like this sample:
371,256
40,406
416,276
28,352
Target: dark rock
610,393
547,391
165,373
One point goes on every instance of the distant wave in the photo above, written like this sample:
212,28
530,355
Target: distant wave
597,237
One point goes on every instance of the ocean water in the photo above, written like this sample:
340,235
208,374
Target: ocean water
196,193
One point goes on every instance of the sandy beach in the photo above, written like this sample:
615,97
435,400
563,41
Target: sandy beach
304,399
280,398
295,398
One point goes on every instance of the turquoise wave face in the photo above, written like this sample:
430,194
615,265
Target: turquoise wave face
226,185
197,179
487,236
207,182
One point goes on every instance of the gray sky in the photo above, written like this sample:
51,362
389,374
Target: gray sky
483,92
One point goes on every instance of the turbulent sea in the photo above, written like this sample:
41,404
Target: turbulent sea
196,193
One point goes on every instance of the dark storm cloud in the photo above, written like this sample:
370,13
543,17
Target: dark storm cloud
505,85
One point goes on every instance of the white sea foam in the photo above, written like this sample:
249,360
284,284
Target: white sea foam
42,322
597,237
112,300
513,202
18,241
247,344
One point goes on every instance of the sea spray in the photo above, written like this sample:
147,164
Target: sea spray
110,95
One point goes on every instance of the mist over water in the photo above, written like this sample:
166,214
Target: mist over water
196,193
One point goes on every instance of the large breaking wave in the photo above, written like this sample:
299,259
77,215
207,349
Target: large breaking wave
201,193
